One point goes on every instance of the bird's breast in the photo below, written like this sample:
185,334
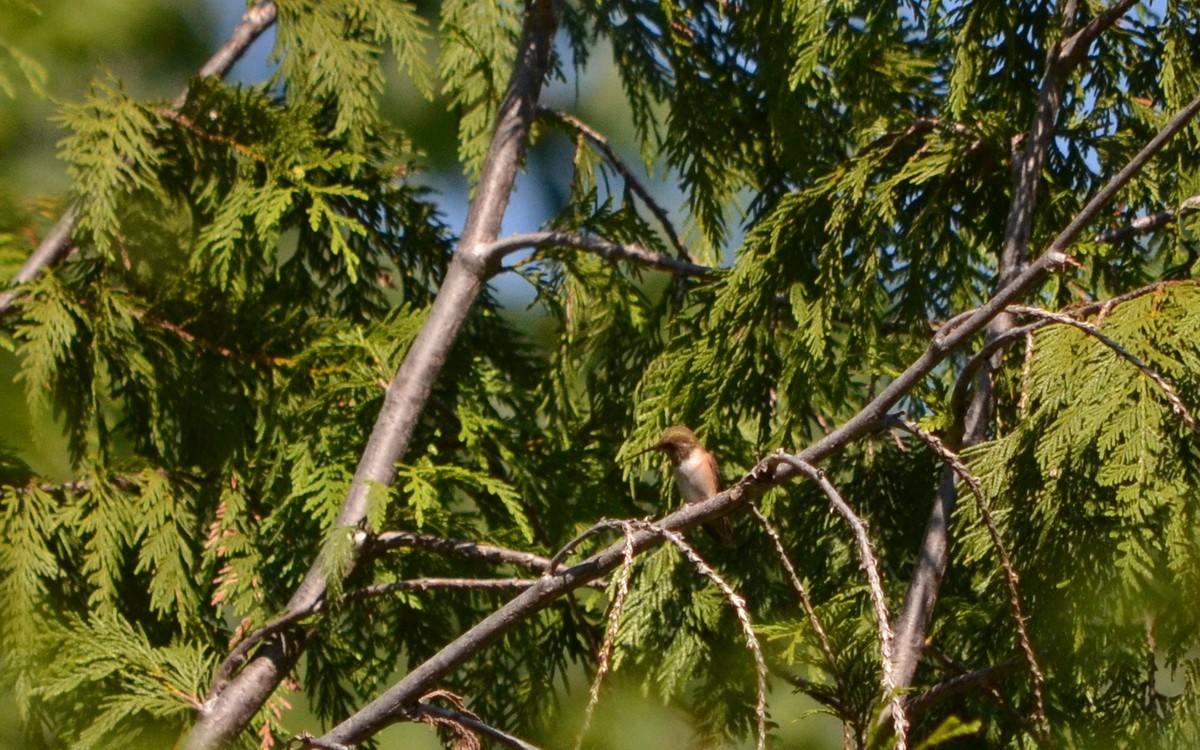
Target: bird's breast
697,477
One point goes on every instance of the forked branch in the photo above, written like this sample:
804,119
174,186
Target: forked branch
604,147
229,711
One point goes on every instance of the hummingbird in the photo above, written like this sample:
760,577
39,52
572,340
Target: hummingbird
695,474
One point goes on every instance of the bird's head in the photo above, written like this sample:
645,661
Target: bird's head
677,442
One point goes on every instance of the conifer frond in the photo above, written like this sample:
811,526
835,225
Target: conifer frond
478,43
111,152
349,39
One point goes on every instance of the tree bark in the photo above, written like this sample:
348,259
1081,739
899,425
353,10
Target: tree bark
229,710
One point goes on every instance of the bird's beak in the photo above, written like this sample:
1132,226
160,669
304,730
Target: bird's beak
654,447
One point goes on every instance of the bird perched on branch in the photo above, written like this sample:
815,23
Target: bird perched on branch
695,474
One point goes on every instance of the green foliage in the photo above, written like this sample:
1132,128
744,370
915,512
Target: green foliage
349,38
252,267
32,74
144,686
15,63
478,44
110,152
1106,474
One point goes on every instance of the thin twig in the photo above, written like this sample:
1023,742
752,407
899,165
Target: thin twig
605,249
1149,223
254,22
306,740
874,582
959,669
459,548
1104,306
959,684
1011,578
802,593
1164,385
430,584
241,652
204,344
601,143
610,635
604,524
743,615
461,716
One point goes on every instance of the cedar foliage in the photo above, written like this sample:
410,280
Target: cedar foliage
252,268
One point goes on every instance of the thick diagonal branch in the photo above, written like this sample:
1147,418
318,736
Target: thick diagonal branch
228,712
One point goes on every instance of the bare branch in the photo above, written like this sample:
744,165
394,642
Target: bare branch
51,250
958,669
305,740
603,248
254,22
472,722
601,143
934,552
459,548
204,344
960,684
56,245
241,652
874,582
1072,49
604,524
1150,223
427,584
230,710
